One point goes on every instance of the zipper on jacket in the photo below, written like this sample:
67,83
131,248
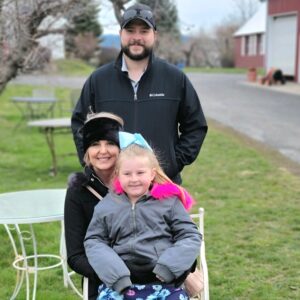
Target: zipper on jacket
135,96
134,225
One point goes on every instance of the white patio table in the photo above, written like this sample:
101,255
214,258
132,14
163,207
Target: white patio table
35,107
48,126
31,207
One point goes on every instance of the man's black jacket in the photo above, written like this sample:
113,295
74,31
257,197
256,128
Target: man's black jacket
165,110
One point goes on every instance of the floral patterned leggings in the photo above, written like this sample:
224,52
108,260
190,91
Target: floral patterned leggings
144,292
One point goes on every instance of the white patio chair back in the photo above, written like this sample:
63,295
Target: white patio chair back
199,219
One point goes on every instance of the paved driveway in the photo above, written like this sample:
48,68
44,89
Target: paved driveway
266,115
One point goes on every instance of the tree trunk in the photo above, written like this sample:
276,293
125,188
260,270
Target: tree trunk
19,30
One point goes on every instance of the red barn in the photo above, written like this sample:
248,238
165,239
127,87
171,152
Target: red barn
271,38
283,37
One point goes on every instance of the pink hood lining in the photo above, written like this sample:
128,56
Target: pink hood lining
163,191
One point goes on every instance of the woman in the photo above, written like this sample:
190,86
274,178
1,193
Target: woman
101,148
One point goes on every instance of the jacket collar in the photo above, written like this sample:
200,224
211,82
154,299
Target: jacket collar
163,191
94,181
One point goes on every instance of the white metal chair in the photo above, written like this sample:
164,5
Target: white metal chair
199,218
85,289
204,295
67,275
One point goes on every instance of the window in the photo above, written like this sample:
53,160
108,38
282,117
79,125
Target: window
243,45
261,44
248,45
252,45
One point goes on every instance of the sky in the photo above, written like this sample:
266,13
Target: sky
193,14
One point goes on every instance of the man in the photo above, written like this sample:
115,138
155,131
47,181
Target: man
154,98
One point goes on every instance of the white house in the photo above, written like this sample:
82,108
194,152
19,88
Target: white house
54,42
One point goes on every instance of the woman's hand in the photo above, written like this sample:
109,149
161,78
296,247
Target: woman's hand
160,278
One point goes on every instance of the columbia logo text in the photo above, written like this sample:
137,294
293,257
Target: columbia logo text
157,95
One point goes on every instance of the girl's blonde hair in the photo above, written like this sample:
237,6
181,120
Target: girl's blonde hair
161,177
135,150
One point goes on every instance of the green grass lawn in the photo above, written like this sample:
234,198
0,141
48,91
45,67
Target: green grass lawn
252,209
71,67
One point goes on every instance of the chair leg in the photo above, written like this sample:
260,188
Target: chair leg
85,295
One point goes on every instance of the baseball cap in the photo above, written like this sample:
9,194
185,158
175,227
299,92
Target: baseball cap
138,11
101,126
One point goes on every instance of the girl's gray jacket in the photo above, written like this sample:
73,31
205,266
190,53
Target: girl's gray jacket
125,243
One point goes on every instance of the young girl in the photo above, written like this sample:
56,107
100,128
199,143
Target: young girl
141,241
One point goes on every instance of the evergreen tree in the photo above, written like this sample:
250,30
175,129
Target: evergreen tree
87,19
166,16
83,29
167,23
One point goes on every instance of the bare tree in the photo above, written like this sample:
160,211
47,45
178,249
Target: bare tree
244,10
225,42
200,50
118,6
168,47
20,29
188,50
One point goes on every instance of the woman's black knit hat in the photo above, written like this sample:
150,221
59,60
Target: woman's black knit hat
101,126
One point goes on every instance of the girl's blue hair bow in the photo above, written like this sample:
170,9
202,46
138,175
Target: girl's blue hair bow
126,139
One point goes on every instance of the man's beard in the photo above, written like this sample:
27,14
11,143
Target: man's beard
146,52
